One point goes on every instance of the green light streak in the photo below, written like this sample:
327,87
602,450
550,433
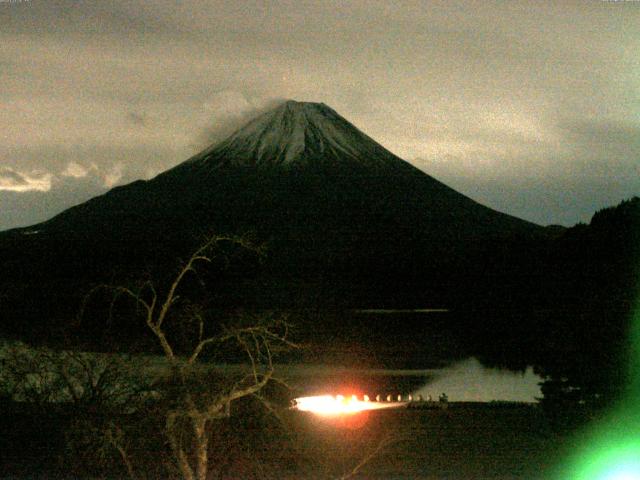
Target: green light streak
611,448
613,456
634,370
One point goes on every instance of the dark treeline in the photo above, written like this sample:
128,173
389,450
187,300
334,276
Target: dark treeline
574,324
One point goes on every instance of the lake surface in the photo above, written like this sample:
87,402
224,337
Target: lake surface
466,380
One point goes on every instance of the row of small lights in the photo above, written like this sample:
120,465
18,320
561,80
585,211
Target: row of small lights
330,405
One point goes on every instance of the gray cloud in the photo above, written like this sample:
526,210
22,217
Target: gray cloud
73,174
71,16
499,99
16,181
28,208
137,118
614,134
230,110
10,177
97,160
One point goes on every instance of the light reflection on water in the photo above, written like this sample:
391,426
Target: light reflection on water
466,380
469,381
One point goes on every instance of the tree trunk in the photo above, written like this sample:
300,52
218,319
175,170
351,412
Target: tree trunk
180,455
202,443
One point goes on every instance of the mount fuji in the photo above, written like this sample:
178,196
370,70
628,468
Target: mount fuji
343,219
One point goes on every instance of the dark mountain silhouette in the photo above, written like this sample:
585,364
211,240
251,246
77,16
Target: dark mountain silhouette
348,224
301,161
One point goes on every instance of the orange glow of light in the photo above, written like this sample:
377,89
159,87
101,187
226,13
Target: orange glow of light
328,405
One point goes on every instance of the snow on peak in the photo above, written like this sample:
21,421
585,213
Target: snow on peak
296,132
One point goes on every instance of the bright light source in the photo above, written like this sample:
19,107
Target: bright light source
615,459
623,472
329,405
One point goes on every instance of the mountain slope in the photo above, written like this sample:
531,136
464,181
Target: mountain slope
345,220
298,160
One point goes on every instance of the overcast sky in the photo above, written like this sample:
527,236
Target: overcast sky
532,108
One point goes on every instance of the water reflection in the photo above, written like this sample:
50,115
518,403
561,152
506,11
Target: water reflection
469,381
466,380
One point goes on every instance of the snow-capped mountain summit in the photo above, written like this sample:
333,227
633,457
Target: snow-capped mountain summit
297,162
343,218
295,134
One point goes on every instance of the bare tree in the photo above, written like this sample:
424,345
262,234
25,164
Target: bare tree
191,398
100,390
43,376
192,410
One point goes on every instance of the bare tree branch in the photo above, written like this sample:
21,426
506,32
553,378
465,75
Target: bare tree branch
194,410
369,456
114,436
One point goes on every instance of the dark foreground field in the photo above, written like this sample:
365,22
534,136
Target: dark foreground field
466,441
